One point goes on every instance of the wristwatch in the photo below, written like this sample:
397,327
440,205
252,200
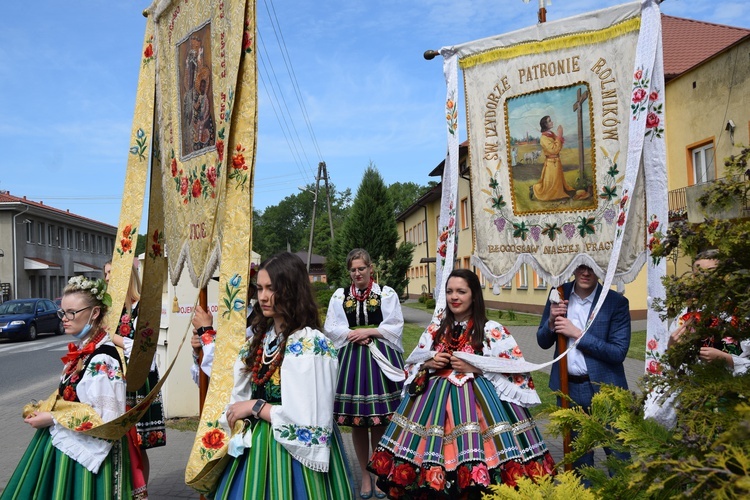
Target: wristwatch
259,404
204,329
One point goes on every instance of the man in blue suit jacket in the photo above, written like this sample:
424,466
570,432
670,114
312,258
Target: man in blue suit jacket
599,357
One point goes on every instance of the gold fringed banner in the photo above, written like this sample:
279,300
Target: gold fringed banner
198,57
154,273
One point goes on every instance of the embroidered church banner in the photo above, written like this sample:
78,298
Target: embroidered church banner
566,126
198,46
549,109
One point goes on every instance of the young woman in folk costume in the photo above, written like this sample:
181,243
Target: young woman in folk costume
359,318
61,462
151,428
286,444
461,428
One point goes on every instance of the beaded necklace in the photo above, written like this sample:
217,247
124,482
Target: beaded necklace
454,342
361,296
269,355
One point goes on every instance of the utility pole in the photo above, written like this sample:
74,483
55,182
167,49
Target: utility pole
322,175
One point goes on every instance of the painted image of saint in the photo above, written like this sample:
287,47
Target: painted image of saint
197,124
550,150
552,184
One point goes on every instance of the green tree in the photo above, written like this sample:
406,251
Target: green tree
140,244
289,222
371,224
404,194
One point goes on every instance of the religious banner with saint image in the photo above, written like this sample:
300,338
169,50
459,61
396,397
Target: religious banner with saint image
549,112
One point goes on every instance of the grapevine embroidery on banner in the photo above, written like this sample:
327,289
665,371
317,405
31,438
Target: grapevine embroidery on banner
582,225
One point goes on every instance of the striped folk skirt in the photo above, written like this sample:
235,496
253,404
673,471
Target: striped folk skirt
151,427
451,442
267,471
365,397
46,473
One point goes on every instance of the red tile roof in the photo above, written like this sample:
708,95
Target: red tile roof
687,42
6,197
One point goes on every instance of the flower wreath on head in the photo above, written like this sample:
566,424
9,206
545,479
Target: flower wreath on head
97,288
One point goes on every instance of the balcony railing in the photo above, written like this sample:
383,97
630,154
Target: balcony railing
677,204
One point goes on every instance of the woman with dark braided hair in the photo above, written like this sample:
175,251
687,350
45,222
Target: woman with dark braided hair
285,444
462,426
62,462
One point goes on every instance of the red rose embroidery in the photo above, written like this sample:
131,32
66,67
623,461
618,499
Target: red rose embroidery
653,226
435,477
534,469
512,470
211,176
152,438
126,244
69,394
125,329
183,186
213,439
639,95
404,474
653,96
638,74
652,344
382,462
173,167
480,475
464,477
156,248
654,367
652,120
84,426
126,231
621,219
149,52
220,149
196,188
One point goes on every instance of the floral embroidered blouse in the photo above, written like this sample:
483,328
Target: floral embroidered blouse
101,385
499,344
302,409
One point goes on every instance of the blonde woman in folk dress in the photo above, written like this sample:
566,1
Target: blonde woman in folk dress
61,462
461,428
357,316
284,382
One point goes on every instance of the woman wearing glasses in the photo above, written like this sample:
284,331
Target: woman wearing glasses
61,461
362,317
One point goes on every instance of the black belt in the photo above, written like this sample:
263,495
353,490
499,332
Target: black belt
578,379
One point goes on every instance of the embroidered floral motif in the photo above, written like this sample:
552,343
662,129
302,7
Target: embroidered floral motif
148,51
448,233
654,239
308,436
141,143
230,301
147,334
102,368
80,424
247,38
126,242
212,440
320,346
157,241
451,114
238,168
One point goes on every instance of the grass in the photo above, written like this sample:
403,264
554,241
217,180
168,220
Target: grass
637,349
183,424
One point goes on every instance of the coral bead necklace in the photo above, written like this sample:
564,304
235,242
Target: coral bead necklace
269,355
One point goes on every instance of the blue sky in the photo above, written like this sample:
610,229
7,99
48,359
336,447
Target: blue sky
69,72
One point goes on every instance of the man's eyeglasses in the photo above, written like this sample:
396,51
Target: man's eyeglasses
360,269
70,315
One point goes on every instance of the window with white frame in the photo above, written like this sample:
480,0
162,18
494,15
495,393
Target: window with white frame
50,235
522,278
704,169
30,232
41,233
539,282
465,213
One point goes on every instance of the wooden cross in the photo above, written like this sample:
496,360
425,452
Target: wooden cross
578,108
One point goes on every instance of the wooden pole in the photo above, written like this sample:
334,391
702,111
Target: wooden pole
202,377
562,345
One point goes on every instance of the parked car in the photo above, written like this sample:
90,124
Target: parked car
26,318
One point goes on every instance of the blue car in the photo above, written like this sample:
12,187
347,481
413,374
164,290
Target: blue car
26,318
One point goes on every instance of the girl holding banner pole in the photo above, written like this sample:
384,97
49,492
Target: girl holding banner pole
461,427
61,461
285,443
